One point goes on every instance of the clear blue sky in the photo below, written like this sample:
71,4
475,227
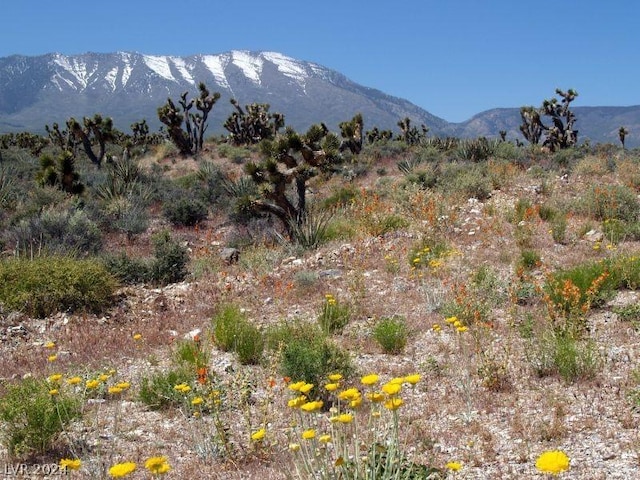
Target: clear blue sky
455,58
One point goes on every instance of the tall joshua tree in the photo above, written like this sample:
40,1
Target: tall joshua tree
622,135
351,133
531,127
189,139
290,160
252,124
96,130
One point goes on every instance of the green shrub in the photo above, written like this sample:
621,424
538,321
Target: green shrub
311,231
312,357
341,197
171,259
128,270
33,418
46,285
334,315
191,353
157,390
562,353
611,202
529,259
234,333
185,211
391,334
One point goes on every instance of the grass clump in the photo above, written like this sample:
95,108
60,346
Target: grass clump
158,392
334,315
391,334
234,333
35,413
46,285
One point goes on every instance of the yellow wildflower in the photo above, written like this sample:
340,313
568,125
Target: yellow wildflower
197,401
137,336
312,406
334,377
331,387
104,377
451,319
306,388
182,388
114,390
553,461
412,379
370,379
50,345
52,358
74,380
53,392
462,329
56,377
296,386
393,403
454,466
157,465
349,394
123,385
375,397
294,447
356,402
69,464
345,418
258,435
309,434
91,384
391,388
122,469
297,402
324,438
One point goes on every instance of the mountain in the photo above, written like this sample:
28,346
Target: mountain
37,91
40,90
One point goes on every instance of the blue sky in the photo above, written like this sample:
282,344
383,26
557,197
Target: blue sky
454,58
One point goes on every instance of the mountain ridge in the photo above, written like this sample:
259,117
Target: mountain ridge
128,86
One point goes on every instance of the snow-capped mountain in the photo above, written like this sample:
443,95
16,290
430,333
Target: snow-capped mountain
36,91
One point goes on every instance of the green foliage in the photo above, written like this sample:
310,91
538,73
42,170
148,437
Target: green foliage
46,285
55,231
234,333
476,150
157,390
472,181
334,315
391,334
306,354
312,230
529,259
60,172
33,419
252,124
128,270
185,211
191,354
561,353
342,197
171,259
610,202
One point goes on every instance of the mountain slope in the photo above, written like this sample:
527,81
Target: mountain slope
35,91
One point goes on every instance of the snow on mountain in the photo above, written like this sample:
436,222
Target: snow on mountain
251,65
216,65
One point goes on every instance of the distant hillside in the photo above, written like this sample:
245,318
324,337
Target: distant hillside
37,91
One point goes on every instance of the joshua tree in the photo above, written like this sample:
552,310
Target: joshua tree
410,134
190,139
561,134
252,124
376,134
93,130
622,135
531,127
351,133
290,161
503,135
60,172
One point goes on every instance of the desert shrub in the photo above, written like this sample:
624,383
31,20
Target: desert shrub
157,389
171,259
547,212
234,333
185,211
428,253
559,228
46,285
191,354
56,231
334,315
237,155
312,357
561,353
571,292
507,151
476,150
341,197
471,181
610,202
391,334
34,418
614,230
126,269
378,224
529,259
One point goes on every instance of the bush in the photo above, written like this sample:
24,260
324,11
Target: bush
611,202
171,258
46,285
234,333
128,270
157,390
185,212
391,334
34,418
334,315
